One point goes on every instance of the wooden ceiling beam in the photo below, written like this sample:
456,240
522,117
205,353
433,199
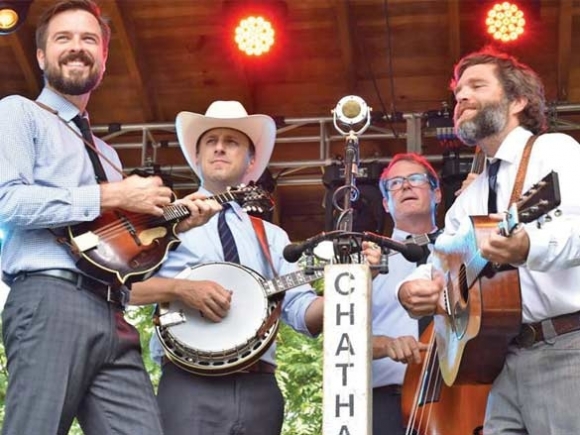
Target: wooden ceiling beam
564,48
136,66
345,38
454,30
29,71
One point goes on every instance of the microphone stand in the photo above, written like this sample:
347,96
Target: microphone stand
351,192
344,246
347,293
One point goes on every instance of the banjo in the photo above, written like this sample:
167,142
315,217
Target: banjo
207,348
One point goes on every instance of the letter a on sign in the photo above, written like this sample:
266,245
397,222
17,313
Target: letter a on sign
344,344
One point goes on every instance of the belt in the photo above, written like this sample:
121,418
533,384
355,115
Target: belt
531,333
115,295
392,389
260,367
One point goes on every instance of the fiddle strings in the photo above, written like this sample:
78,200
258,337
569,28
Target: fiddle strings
426,389
411,424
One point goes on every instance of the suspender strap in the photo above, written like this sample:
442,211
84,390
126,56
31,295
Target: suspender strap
521,175
87,144
262,238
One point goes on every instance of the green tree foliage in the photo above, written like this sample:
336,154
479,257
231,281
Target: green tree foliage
299,375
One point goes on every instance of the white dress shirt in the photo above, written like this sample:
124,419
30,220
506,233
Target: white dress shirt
550,278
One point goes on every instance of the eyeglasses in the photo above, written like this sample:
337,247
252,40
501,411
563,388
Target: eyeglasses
414,180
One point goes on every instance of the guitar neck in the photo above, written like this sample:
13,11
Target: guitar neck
178,212
283,283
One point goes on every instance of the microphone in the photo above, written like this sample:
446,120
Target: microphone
411,251
294,251
351,110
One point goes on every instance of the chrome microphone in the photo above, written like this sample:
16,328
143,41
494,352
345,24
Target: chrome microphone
351,111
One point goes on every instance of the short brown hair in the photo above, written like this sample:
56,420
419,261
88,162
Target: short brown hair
518,81
69,5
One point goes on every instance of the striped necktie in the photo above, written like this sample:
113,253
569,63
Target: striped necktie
226,237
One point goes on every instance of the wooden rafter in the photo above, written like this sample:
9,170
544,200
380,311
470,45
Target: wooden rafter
29,71
454,30
564,48
345,37
135,65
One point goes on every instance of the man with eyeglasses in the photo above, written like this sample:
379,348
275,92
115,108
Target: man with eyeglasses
411,192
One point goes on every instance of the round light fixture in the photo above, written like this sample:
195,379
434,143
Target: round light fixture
8,19
505,22
254,35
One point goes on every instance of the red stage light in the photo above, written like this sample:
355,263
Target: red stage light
254,35
505,22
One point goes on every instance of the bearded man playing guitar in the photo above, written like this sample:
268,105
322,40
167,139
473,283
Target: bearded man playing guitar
211,286
500,106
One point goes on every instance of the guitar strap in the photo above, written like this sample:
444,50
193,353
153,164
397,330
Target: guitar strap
93,152
91,149
260,230
521,175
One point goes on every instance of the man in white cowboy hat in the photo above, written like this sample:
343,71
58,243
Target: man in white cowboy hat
225,147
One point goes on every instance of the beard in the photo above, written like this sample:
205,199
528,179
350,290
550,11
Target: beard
75,83
490,119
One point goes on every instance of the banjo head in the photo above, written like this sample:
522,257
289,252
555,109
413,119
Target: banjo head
202,346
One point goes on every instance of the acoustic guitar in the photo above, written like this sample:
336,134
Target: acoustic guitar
129,247
480,308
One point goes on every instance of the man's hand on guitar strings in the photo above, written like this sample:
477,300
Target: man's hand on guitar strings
506,250
420,296
201,211
136,194
208,297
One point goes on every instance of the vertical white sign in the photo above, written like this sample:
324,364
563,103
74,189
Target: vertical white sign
347,350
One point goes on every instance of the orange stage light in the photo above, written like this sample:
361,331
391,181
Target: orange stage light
254,35
505,22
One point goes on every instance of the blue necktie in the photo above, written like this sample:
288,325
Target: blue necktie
492,180
226,237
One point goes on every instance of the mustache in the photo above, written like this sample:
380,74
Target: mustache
461,107
82,56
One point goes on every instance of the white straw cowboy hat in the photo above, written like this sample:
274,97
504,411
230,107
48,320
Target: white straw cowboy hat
261,129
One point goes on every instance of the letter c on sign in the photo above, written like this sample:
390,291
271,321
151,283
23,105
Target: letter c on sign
338,286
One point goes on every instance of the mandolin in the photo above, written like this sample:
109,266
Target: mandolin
125,247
